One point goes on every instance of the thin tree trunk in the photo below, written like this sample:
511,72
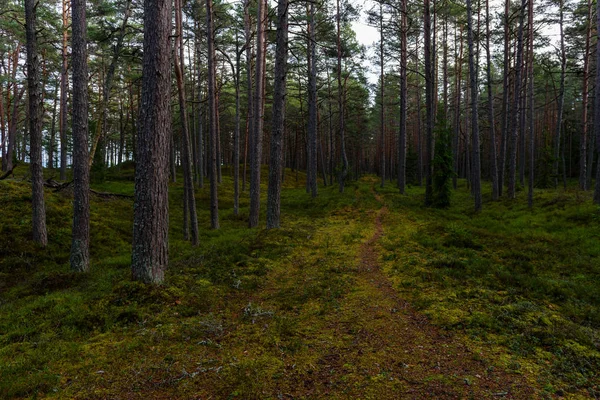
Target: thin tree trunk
80,253
493,155
64,86
505,99
188,177
561,99
34,93
403,102
428,105
458,92
531,109
279,94
312,105
586,73
344,171
512,160
382,95
212,117
256,134
476,162
597,106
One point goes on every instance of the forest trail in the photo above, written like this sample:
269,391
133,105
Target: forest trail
407,356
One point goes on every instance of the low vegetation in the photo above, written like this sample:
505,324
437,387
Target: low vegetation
277,314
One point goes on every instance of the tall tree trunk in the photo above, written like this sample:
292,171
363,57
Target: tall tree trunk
561,98
188,177
491,122
586,73
342,129
531,109
476,162
312,104
13,126
212,116
382,95
512,160
458,92
52,139
249,105
279,94
80,253
505,99
151,207
64,86
428,105
597,106
236,133
34,94
403,101
258,118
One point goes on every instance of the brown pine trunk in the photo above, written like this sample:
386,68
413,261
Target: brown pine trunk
34,93
151,207
279,94
212,118
80,253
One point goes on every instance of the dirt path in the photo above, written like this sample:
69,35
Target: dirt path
403,355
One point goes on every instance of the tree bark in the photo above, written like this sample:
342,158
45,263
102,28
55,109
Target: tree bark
512,160
312,104
531,109
64,86
256,134
212,117
561,98
403,101
151,207
475,160
188,177
597,105
80,253
34,94
428,105
279,94
493,155
344,170
584,131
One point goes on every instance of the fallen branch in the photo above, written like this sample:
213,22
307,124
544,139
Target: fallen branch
9,172
110,195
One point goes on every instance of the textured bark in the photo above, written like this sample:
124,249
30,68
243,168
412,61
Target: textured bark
458,92
236,133
341,127
505,99
64,87
188,177
428,104
212,118
583,159
531,108
34,94
312,105
382,96
151,207
491,122
597,105
279,94
249,106
80,253
13,126
257,131
52,140
475,159
514,131
560,100
403,102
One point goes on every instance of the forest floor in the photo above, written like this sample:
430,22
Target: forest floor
365,294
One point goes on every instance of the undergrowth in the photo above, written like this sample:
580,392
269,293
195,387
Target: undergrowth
248,308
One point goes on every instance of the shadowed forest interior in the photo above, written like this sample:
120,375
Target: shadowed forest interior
320,199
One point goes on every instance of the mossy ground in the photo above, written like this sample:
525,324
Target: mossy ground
505,300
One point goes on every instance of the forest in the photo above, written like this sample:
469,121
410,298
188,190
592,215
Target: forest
320,199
